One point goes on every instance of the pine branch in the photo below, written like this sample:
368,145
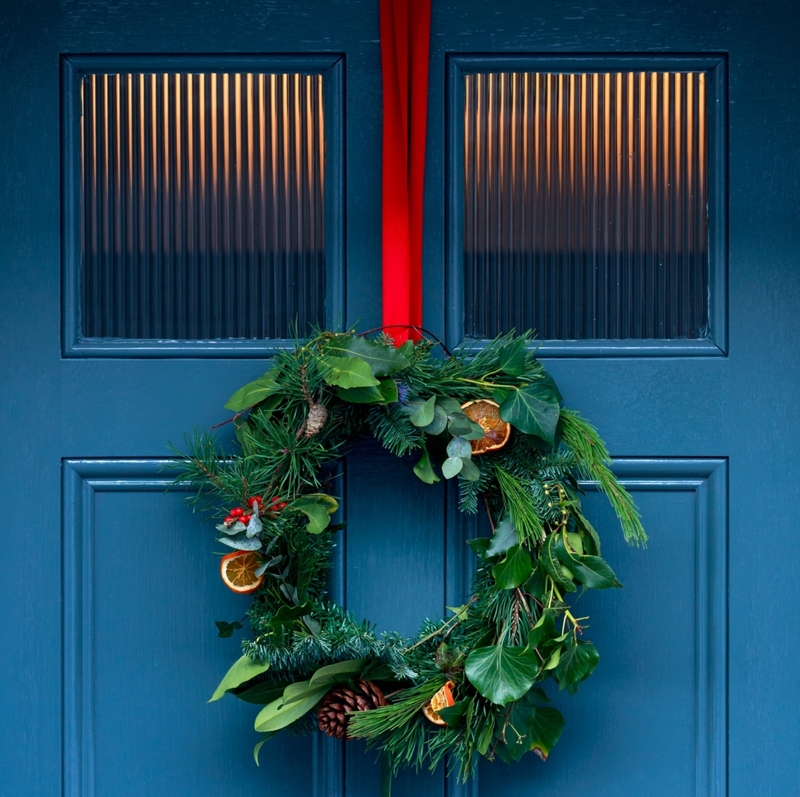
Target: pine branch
519,504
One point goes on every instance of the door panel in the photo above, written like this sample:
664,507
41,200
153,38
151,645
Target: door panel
110,649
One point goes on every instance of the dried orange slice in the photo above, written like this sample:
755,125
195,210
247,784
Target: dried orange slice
238,571
486,413
442,699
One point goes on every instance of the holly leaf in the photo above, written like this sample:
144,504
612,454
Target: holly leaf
533,409
424,412
502,673
385,392
505,535
289,707
254,391
452,467
512,358
383,360
576,665
346,372
424,469
242,670
514,569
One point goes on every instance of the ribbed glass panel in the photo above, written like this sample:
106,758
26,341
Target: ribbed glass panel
202,205
585,205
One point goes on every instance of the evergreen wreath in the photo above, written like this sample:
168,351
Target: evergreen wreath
489,418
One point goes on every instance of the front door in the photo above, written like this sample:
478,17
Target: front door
153,238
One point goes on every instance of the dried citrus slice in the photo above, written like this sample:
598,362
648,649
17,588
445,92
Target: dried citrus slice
486,413
442,699
238,571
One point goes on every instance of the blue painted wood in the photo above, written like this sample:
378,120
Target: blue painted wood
735,409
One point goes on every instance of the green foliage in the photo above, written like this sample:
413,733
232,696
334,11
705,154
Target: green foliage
517,629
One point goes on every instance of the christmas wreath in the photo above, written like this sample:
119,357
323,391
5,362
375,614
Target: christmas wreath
490,419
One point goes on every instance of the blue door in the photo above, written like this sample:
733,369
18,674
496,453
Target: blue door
142,269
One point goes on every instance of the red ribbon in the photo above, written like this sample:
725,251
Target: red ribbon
405,43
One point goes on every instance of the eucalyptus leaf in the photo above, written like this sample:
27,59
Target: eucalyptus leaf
253,392
424,412
505,535
254,525
424,469
460,425
533,409
242,670
502,673
452,467
450,406
383,360
235,528
459,447
469,470
242,543
514,569
347,372
439,422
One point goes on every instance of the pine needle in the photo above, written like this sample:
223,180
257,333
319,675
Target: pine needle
520,506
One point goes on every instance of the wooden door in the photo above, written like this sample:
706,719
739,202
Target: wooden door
109,588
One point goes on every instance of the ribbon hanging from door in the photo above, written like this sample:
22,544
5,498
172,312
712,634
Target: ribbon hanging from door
405,43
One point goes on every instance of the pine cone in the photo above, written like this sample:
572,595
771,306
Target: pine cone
332,715
315,420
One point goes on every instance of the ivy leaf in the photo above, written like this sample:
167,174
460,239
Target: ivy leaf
505,535
512,358
254,391
337,673
226,629
347,372
594,572
383,360
423,414
514,569
452,467
384,393
479,545
502,673
439,422
459,447
242,670
286,617
536,585
452,714
285,710
540,727
424,469
533,409
576,665
544,630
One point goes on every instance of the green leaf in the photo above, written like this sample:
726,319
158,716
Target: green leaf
575,542
423,414
262,693
452,467
257,748
287,616
452,714
577,664
533,409
226,629
480,545
594,572
283,712
384,393
552,662
383,360
450,406
469,470
346,372
536,585
459,447
439,422
460,425
544,729
505,535
514,569
339,672
543,631
512,358
243,669
551,561
502,673
424,469
253,392
317,507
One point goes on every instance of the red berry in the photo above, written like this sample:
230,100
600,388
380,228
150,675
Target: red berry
236,512
229,519
252,501
245,519
274,500
281,505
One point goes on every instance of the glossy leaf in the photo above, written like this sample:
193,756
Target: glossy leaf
254,391
512,358
551,561
384,393
339,672
533,409
284,711
383,360
576,665
502,673
347,372
424,469
452,715
594,572
242,670
505,535
514,569
480,545
287,616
